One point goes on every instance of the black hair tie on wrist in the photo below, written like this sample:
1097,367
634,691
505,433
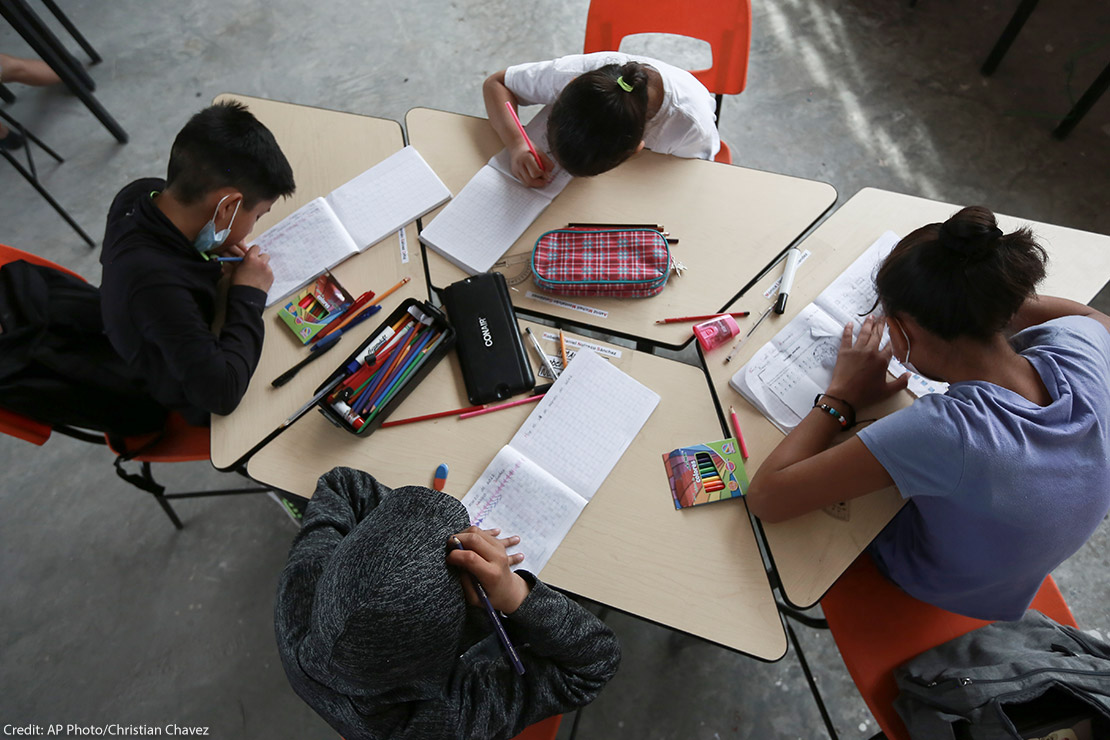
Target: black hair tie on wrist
849,421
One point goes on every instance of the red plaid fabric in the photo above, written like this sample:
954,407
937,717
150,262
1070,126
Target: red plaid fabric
623,263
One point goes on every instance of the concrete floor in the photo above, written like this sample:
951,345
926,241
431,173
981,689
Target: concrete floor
110,616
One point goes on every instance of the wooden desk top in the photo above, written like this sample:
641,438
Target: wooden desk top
810,552
326,149
698,571
730,222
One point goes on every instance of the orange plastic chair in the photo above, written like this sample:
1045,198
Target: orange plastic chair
543,730
177,442
878,627
726,25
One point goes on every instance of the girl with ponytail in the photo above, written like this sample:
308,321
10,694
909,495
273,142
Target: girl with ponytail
1008,472
606,106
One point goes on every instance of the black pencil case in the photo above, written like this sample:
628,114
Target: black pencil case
494,364
422,313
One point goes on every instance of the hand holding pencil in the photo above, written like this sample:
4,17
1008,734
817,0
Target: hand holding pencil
530,166
487,559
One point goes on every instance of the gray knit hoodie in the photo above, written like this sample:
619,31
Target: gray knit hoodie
375,635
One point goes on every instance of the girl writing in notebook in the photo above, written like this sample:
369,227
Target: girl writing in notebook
1008,472
607,106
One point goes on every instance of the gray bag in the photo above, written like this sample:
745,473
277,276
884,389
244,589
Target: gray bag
1000,680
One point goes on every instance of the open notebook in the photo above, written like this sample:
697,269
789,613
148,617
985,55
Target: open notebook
492,210
325,231
785,375
539,483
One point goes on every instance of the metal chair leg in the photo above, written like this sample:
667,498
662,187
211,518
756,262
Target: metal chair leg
11,11
6,95
72,29
1075,115
46,194
1024,10
30,22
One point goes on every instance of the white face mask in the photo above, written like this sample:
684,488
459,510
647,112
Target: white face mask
208,238
906,362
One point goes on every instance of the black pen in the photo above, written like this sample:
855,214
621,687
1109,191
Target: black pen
314,353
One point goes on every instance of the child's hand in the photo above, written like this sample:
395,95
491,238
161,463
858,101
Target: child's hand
527,171
254,270
485,558
860,375
231,250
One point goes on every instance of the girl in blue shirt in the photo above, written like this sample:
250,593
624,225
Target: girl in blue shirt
1008,472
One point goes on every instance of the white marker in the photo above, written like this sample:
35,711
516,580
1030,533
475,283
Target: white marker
787,283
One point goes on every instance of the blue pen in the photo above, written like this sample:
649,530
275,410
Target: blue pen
499,628
226,259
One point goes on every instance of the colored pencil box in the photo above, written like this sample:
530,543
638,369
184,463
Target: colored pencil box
705,473
621,263
418,344
491,353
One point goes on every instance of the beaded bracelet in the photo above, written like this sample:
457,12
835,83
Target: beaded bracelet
851,410
834,414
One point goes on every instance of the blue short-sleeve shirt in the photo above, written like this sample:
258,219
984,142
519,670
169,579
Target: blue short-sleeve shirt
1000,490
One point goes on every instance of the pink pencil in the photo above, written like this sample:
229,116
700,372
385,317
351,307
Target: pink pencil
739,436
500,406
516,118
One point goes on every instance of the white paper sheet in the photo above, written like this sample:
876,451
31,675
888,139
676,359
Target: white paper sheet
538,484
302,245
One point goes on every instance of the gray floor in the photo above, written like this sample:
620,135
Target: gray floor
110,616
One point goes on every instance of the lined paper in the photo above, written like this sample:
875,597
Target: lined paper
302,245
538,484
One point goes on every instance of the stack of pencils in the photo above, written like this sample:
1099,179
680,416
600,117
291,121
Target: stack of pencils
380,375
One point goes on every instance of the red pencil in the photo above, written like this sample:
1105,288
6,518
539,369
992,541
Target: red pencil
516,119
436,415
707,317
500,406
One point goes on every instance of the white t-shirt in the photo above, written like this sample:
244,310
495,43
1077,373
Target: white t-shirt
684,125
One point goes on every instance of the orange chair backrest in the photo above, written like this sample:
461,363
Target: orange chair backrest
11,254
725,24
878,627
543,730
12,423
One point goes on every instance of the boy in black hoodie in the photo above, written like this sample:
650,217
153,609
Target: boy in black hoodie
159,284
375,634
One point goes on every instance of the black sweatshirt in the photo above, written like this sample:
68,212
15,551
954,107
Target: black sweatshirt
375,635
158,301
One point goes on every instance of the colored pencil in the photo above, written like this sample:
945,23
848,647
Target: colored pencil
563,349
520,128
707,317
388,293
500,406
738,433
499,628
356,308
436,415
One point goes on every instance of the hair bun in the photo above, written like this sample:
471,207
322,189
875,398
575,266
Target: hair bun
970,241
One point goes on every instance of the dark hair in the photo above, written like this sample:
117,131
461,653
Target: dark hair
596,124
225,146
962,278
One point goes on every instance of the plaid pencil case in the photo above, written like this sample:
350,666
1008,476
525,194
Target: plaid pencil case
622,263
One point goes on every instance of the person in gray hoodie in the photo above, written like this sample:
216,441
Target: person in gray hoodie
376,635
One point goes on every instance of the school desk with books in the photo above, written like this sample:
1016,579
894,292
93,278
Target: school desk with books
698,571
353,217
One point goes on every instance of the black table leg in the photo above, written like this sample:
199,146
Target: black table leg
6,95
1094,92
1024,10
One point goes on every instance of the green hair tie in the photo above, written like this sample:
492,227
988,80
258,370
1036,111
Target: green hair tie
624,85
